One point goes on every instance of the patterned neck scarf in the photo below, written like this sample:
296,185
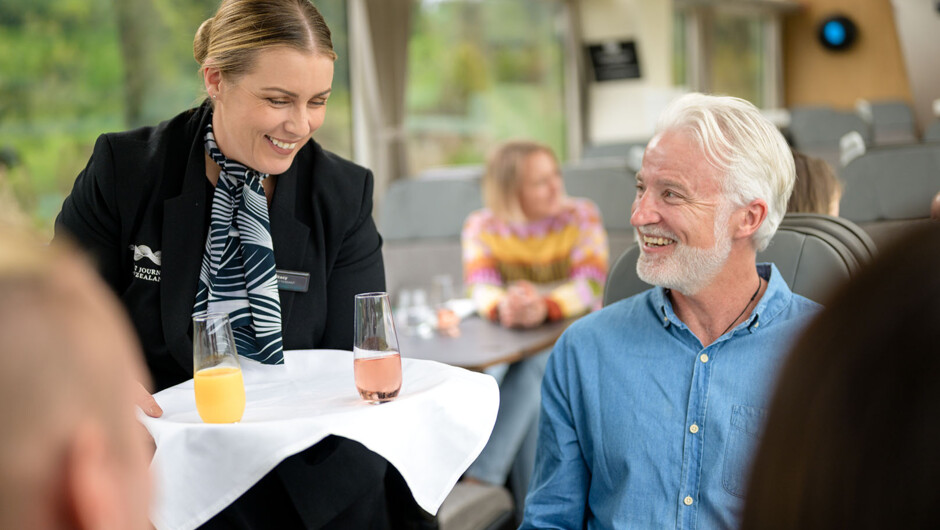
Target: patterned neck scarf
238,272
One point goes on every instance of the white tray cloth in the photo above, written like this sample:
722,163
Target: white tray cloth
431,433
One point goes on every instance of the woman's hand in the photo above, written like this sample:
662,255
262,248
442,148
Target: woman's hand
523,306
145,401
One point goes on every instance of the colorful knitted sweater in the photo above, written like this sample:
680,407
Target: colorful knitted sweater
565,255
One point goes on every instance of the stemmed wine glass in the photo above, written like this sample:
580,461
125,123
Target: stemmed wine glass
376,361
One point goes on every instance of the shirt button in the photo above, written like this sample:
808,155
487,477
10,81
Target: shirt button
756,324
704,357
687,501
693,428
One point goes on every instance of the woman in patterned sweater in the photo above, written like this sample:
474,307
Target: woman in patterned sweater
532,255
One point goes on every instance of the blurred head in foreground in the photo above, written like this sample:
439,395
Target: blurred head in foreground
853,427
71,452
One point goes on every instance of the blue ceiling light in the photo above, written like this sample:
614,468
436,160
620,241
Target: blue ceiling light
834,33
837,32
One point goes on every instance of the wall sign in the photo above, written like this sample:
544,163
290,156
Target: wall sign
614,60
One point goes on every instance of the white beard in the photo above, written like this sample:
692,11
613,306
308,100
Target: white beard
689,269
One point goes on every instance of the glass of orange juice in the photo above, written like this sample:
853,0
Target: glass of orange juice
220,388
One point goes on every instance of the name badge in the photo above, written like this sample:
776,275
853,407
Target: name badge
293,281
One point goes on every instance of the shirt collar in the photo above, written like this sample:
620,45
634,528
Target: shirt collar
776,298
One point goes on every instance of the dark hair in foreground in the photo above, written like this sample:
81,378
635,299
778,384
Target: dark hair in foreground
851,437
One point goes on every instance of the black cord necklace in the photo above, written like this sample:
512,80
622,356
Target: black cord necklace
753,296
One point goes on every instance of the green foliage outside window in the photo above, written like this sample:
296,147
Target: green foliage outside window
71,70
481,72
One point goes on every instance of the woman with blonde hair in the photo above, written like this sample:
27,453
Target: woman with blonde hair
212,209
532,255
530,234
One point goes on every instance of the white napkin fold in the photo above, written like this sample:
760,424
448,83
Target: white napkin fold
446,413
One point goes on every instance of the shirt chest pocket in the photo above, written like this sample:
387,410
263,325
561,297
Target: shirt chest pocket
747,423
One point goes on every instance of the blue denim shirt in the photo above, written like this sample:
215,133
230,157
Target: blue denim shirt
642,427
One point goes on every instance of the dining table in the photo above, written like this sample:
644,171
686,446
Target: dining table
481,343
431,432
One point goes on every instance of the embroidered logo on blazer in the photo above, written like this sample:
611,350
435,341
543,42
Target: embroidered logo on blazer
150,274
143,251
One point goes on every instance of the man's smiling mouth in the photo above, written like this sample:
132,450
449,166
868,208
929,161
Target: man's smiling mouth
655,241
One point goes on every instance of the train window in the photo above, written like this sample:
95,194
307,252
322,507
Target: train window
730,49
336,133
737,61
477,76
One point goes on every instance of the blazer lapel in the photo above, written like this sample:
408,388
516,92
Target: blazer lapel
288,234
183,246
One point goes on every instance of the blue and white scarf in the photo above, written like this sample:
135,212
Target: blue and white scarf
238,275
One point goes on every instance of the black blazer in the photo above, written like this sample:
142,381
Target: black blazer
148,187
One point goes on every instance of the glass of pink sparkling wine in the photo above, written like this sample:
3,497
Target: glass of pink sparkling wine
376,361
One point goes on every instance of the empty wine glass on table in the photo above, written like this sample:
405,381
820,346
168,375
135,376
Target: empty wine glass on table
376,361
217,375
442,292
415,316
421,317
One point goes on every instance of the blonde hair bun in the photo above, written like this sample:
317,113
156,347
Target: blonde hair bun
246,27
201,42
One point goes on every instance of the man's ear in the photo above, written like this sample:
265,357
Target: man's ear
92,493
750,218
